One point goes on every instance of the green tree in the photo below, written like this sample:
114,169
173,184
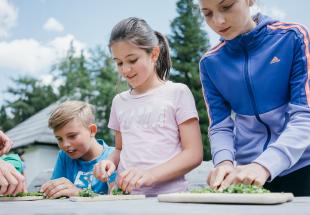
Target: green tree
29,96
188,42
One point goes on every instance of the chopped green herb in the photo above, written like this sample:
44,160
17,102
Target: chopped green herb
238,188
23,194
87,192
118,191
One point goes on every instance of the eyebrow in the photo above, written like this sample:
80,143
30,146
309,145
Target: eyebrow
125,56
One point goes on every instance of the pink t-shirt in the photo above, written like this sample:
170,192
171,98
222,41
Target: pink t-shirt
149,126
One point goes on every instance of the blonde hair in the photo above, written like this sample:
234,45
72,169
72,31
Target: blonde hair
70,110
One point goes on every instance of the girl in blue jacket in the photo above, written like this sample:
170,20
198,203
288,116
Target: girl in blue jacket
256,89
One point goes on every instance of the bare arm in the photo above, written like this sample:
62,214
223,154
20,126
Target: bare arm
190,157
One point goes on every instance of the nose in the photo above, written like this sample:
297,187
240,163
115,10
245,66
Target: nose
219,19
65,144
126,68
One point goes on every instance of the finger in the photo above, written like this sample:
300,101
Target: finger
3,184
59,193
96,171
135,184
111,169
53,187
227,181
249,179
55,191
209,177
121,177
259,182
12,182
128,183
217,178
21,183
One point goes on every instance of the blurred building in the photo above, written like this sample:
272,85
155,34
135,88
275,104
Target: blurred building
36,143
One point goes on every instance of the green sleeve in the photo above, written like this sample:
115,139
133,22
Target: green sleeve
15,160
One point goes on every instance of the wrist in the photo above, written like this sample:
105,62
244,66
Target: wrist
225,163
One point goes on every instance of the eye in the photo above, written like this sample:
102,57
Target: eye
133,61
119,64
72,136
227,7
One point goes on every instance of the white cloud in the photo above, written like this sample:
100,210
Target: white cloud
53,25
8,17
29,56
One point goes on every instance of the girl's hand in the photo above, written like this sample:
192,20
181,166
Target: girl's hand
135,178
104,169
59,187
253,173
219,173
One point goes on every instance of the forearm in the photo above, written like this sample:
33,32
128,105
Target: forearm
115,157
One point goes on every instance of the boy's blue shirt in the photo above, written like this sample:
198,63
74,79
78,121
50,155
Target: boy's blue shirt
80,172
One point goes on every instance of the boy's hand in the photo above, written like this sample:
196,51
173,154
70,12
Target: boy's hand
5,143
219,173
11,181
135,178
253,173
104,169
59,187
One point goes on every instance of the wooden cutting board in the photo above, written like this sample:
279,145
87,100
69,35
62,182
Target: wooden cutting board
23,198
228,198
106,198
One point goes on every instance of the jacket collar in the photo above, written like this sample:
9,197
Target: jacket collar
254,37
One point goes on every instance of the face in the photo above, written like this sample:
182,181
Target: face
135,64
228,18
75,139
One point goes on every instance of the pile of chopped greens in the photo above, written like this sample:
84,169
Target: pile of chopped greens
87,192
23,194
238,188
118,191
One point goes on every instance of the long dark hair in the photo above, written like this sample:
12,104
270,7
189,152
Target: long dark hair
139,33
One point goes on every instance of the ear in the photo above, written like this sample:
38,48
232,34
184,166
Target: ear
155,53
93,129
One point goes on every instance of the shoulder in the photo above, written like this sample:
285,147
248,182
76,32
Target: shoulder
121,96
286,28
178,90
213,51
107,149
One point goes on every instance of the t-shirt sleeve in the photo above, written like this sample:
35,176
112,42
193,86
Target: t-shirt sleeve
60,166
113,121
185,105
15,160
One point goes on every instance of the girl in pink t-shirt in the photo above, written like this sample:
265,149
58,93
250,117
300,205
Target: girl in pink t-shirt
157,134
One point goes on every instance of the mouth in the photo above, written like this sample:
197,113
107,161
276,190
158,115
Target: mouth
224,30
131,76
71,151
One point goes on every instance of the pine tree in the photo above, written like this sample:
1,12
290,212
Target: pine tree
188,42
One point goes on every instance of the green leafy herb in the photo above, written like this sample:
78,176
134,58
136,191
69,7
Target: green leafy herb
87,192
118,191
238,188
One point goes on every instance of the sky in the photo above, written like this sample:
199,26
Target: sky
35,34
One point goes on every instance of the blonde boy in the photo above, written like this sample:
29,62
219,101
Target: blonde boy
73,123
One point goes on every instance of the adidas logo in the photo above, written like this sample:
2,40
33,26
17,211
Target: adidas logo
275,60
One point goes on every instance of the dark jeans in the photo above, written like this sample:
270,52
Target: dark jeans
297,182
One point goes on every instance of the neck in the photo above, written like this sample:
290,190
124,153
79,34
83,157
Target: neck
152,82
94,151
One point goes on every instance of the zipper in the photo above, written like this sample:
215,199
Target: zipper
251,94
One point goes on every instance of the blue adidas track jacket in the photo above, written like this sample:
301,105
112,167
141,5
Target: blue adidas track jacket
256,88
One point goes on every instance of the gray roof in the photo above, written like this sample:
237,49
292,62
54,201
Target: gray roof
34,129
